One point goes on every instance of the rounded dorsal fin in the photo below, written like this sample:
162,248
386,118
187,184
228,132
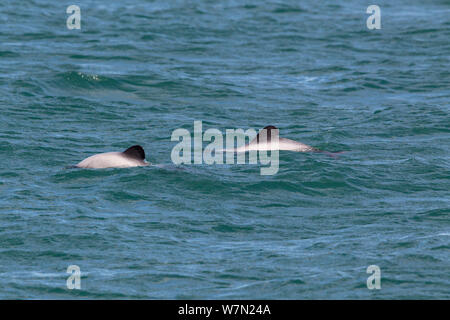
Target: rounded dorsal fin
268,130
135,152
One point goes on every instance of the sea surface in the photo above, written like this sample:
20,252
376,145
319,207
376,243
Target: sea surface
138,70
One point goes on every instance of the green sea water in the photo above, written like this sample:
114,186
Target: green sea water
138,70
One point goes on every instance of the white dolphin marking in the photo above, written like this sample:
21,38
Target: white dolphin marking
132,157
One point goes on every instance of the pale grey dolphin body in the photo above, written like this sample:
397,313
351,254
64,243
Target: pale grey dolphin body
132,157
267,140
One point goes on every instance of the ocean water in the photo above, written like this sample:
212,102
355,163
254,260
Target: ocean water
138,70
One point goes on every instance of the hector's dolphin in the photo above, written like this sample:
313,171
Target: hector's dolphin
268,139
132,157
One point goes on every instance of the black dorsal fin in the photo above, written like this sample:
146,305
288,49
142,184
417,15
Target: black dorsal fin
268,132
135,152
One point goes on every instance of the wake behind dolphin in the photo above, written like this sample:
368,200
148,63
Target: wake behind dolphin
132,157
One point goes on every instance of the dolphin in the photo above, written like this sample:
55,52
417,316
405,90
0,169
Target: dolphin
268,139
132,157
